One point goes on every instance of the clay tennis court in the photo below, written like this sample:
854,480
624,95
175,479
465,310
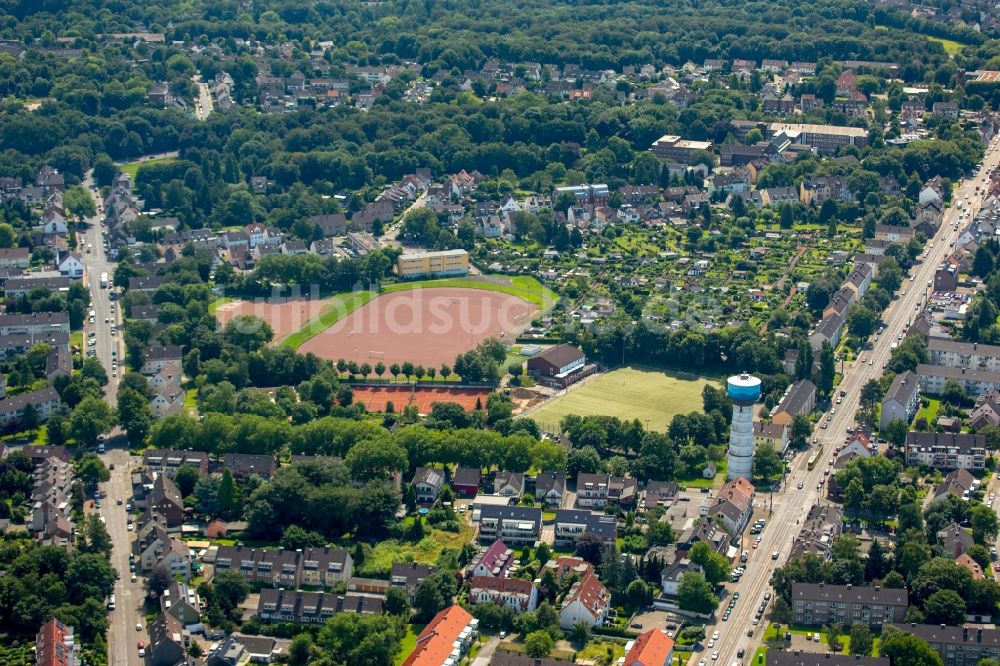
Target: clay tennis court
374,398
423,326
285,315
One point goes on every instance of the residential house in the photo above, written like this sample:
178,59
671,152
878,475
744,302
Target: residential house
465,482
509,484
155,359
520,595
245,465
970,565
549,487
70,264
901,400
954,540
168,461
587,601
800,398
670,577
55,645
821,527
164,499
652,648
182,601
326,567
494,561
774,435
44,402
445,639
733,506
660,493
408,575
987,410
427,482
166,641
958,483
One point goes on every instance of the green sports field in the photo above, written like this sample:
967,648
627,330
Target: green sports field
629,393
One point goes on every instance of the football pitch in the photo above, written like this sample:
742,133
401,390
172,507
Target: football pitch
651,396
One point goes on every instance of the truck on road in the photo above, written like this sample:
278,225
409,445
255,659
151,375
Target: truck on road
104,280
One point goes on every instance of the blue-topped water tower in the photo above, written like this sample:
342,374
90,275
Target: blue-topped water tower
744,391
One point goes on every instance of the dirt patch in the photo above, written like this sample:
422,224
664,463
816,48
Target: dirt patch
375,398
284,315
424,326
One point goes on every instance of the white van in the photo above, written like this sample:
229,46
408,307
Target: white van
111,602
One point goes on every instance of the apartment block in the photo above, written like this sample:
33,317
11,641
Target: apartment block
599,490
944,450
277,568
572,524
514,525
818,604
315,608
958,646
954,354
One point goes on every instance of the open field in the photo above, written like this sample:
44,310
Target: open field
951,47
374,398
132,167
526,288
651,396
428,326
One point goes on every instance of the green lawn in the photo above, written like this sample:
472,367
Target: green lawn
951,47
131,168
929,412
651,396
339,306
597,649
217,303
409,642
526,288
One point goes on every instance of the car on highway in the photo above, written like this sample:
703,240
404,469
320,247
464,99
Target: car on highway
715,635
711,643
774,555
800,485
715,655
138,627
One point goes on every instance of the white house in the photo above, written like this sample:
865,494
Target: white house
588,601
71,265
670,577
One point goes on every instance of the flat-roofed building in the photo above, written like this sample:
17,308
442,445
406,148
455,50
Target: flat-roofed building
675,149
826,139
446,262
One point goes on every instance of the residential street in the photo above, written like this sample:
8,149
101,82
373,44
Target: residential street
96,262
203,104
122,636
791,504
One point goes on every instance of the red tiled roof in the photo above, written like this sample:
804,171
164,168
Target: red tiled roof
650,649
436,640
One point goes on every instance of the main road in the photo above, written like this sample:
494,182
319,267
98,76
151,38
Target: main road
95,260
129,596
791,503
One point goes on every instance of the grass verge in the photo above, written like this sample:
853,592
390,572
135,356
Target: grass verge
131,168
341,306
217,303
526,288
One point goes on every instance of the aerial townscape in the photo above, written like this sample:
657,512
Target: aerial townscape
535,333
